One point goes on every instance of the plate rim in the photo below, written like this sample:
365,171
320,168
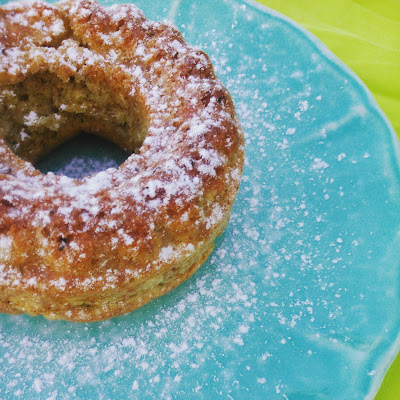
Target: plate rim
384,361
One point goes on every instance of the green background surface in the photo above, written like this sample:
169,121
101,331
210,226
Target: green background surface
365,35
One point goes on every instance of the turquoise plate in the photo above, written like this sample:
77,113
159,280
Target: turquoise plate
300,299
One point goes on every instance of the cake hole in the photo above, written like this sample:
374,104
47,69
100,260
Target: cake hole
42,114
81,156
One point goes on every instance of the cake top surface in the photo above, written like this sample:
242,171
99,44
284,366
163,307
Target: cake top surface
191,153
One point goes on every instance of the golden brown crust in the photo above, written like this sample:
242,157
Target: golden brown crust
91,249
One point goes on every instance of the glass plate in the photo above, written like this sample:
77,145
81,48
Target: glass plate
300,299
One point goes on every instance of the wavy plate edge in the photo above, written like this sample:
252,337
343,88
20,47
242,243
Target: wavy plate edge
383,362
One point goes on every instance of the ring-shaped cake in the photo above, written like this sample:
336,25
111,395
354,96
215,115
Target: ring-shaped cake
91,249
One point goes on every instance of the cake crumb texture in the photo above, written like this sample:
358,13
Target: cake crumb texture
91,249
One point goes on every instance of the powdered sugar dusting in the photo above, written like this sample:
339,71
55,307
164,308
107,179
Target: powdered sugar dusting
5,246
299,296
